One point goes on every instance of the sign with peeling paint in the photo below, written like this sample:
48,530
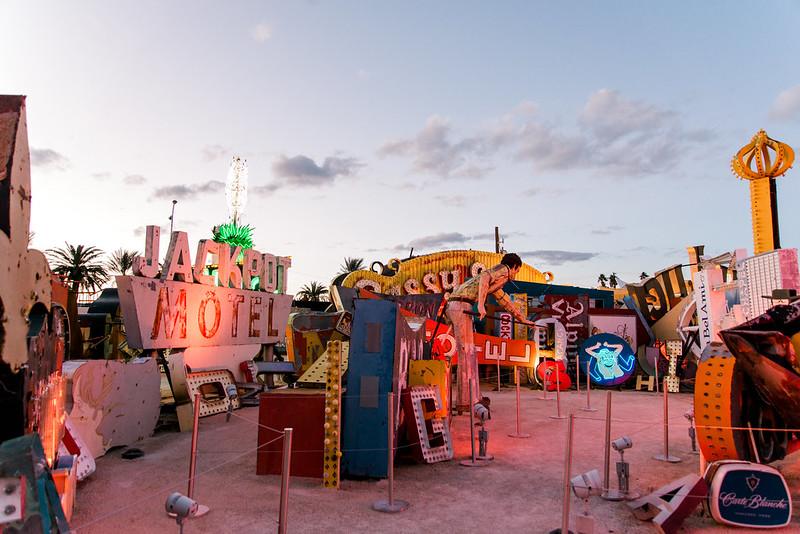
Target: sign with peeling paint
163,314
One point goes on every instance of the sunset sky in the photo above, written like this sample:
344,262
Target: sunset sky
596,135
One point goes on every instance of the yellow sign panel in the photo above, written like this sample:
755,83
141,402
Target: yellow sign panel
440,272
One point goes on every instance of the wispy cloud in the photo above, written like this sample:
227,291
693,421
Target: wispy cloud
558,257
134,179
214,152
613,135
787,104
101,175
187,191
435,152
302,171
543,192
48,158
607,230
448,239
456,201
261,32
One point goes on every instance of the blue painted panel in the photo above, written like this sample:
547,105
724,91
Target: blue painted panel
369,379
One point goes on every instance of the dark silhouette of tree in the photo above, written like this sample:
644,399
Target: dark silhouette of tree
82,267
613,281
121,261
603,280
643,276
313,292
350,265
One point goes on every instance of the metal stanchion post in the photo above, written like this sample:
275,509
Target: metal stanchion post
546,383
666,457
656,372
285,471
518,434
578,372
193,453
473,461
558,397
607,450
498,372
202,509
588,407
567,470
391,505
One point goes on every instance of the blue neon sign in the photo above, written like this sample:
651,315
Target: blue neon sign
609,359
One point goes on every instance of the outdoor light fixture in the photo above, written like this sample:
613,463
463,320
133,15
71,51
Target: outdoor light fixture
181,507
584,486
623,472
233,394
587,484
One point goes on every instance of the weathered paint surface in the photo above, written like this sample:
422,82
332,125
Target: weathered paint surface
113,403
435,273
24,273
489,349
162,314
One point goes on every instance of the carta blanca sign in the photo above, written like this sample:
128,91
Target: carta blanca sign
184,307
749,495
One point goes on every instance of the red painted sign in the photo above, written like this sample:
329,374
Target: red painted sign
489,349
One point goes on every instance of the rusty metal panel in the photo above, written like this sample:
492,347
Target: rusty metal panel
435,273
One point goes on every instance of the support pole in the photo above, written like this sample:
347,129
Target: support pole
193,453
666,457
578,372
588,407
546,382
498,373
473,461
567,471
390,505
558,396
285,471
657,356
565,497
607,447
518,434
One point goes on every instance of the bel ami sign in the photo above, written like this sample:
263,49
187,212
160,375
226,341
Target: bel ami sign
184,307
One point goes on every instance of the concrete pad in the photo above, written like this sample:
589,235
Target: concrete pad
519,492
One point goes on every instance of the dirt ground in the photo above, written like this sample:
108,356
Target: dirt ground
520,491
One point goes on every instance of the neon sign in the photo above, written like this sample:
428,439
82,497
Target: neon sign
609,358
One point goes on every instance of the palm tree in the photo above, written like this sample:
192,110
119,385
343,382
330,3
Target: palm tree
313,292
643,275
121,261
350,265
613,281
603,279
82,267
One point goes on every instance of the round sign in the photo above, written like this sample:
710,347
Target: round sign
609,359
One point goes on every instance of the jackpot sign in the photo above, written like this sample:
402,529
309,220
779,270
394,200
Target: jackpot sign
185,307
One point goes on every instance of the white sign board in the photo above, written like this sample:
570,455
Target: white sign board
162,314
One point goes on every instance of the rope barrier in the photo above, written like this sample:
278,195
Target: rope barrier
172,485
239,453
